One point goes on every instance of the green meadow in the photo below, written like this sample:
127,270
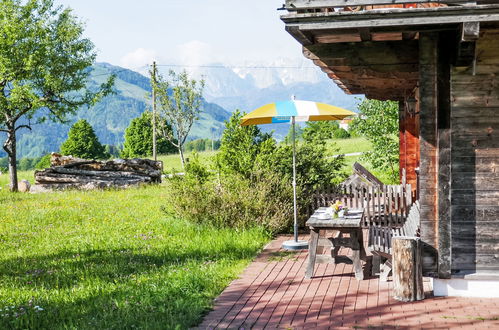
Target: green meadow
111,260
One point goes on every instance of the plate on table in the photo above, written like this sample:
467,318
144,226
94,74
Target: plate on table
323,216
353,213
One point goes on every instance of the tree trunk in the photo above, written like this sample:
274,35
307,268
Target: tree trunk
10,148
181,152
407,269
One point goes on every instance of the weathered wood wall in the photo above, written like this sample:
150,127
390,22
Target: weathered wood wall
409,143
428,51
475,159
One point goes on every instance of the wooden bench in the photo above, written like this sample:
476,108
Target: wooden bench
380,240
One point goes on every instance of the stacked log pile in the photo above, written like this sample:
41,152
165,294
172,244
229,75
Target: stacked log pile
69,172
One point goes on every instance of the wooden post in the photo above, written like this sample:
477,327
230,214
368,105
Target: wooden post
428,172
444,158
154,111
407,269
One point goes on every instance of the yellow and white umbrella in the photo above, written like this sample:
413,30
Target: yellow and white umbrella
290,112
282,112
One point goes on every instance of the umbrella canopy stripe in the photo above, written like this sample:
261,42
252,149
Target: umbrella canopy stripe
281,112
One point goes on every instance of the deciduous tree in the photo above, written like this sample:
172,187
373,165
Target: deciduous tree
180,101
44,64
378,122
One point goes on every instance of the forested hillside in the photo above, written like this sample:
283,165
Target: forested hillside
111,116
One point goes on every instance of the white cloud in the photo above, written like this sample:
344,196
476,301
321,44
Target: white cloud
196,52
139,58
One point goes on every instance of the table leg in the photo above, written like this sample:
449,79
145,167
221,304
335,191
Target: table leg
363,254
320,248
376,264
312,252
335,248
356,254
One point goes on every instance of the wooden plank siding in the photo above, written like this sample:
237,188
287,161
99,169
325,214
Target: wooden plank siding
448,59
475,159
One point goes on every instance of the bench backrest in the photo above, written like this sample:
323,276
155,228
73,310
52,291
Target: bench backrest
411,225
380,237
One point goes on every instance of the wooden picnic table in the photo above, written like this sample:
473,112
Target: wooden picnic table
349,224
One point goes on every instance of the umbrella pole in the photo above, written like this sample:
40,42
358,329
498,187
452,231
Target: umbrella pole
295,209
295,244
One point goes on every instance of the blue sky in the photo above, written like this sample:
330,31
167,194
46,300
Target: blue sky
132,33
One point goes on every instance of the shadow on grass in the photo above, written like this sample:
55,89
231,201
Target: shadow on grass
63,270
116,288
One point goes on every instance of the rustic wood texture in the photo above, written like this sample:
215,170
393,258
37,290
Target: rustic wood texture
475,154
369,28
376,66
407,269
387,205
293,5
409,143
428,136
445,44
349,225
362,171
69,172
380,242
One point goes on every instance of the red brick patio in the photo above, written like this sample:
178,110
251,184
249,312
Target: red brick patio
273,293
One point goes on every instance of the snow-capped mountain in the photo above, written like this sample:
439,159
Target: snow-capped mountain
248,85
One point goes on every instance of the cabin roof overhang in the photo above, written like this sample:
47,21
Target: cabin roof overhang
376,52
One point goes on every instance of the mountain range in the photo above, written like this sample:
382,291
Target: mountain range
227,89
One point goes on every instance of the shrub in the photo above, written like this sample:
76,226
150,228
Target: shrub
240,146
341,133
252,184
319,130
233,201
43,163
196,170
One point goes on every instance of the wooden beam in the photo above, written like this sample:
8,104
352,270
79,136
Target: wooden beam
302,37
409,35
368,53
470,31
365,34
292,5
437,17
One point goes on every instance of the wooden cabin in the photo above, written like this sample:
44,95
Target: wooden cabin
440,60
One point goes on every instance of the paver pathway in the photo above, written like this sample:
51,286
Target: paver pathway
272,293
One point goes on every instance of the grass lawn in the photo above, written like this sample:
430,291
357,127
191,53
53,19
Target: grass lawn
359,144
171,163
110,260
352,145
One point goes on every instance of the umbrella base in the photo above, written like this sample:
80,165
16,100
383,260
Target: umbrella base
295,245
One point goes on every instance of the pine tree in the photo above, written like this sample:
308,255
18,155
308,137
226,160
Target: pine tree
83,143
